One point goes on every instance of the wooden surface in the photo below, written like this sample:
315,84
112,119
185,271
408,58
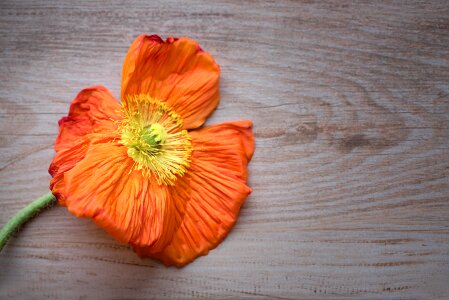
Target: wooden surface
350,103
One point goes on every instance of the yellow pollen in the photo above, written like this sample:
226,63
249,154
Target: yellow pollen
156,142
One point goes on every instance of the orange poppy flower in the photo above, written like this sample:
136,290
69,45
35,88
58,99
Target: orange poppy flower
143,170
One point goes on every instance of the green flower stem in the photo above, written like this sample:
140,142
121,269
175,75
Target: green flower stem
24,215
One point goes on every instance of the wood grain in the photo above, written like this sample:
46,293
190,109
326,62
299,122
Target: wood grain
350,102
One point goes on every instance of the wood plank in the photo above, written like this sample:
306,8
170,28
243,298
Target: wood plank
350,103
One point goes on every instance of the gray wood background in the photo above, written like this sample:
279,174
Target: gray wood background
350,102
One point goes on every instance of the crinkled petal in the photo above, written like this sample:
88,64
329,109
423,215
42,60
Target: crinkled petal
93,110
90,120
130,206
177,71
217,178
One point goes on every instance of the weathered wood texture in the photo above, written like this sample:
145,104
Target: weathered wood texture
350,103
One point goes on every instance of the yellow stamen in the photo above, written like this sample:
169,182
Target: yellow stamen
155,139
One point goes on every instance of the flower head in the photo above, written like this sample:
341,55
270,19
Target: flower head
143,169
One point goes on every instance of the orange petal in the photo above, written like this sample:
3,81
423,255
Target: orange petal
217,177
177,71
130,206
91,111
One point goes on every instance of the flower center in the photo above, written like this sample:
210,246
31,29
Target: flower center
154,135
156,142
